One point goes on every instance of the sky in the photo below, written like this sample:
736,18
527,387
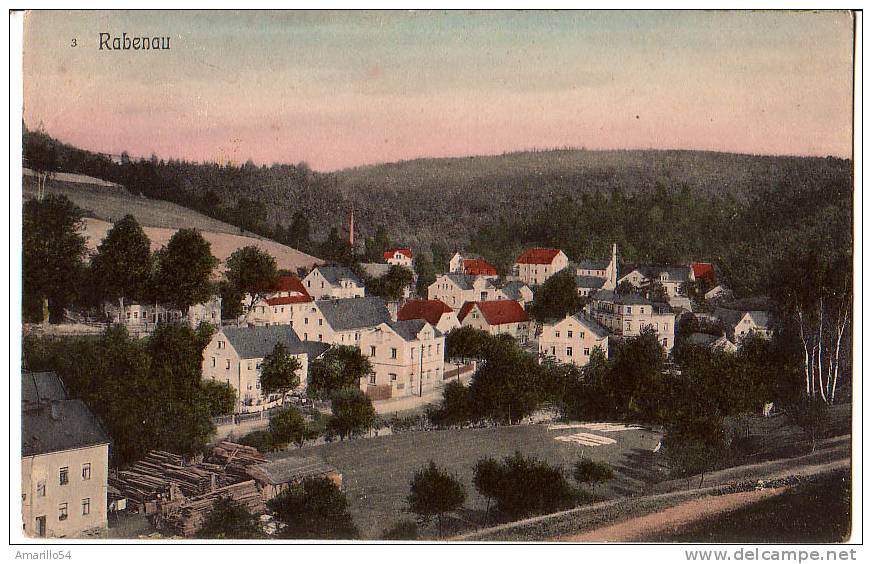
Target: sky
343,89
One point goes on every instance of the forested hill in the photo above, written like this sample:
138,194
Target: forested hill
741,211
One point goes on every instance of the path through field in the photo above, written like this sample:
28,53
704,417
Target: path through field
673,518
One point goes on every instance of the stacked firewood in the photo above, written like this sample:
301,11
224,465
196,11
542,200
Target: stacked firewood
151,478
235,459
187,517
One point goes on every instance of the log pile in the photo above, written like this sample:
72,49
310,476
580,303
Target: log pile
235,460
187,516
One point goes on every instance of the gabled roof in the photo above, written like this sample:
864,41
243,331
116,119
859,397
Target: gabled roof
701,339
589,282
480,267
620,299
39,387
285,300
354,313
410,328
512,289
259,342
598,330
729,317
335,274
430,310
60,425
464,281
403,251
537,255
703,270
496,312
290,284
593,264
314,349
674,273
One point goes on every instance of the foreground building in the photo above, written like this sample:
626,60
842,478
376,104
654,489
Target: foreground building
64,462
537,265
235,354
407,358
342,322
572,339
629,314
434,312
500,317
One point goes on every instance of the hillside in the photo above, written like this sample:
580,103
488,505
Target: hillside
105,202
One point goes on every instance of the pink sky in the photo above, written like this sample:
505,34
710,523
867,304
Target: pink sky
346,89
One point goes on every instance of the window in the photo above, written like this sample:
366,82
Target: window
306,321
629,309
320,322
357,336
393,377
568,351
569,334
250,365
62,512
371,351
429,350
372,379
438,348
305,336
553,351
40,488
86,506
557,334
64,475
320,337
213,362
86,471
220,344
586,351
393,353
228,364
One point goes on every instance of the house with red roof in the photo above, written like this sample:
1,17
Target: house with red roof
436,313
279,306
703,271
399,257
537,265
498,317
472,265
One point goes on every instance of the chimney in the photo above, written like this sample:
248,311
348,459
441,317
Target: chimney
614,273
351,228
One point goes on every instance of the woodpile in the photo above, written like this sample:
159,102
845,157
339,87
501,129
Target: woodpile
159,474
235,460
185,517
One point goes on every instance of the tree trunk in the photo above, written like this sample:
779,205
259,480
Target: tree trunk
808,380
701,478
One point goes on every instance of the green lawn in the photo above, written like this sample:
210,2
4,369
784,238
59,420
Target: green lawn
376,472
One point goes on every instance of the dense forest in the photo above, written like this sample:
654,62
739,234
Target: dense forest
742,212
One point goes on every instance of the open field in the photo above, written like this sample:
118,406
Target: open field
105,203
376,472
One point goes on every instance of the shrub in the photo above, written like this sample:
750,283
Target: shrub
261,440
353,413
434,492
401,530
288,426
314,509
591,472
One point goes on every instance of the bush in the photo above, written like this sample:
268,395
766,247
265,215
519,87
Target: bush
314,509
288,426
591,472
353,413
261,440
454,409
434,492
401,530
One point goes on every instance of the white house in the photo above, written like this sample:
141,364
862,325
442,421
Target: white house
399,257
281,306
741,323
572,339
457,289
630,314
498,317
333,282
436,313
342,322
407,358
672,278
472,265
537,265
514,290
64,462
235,354
594,275
143,315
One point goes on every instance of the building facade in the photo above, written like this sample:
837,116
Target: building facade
628,315
333,282
407,357
572,340
537,265
499,317
399,257
455,290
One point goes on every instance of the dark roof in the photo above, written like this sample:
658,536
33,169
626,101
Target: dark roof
702,339
290,469
60,425
410,328
537,256
375,269
598,330
354,313
674,273
431,310
314,349
334,274
512,289
593,264
465,281
496,312
589,282
259,342
37,387
620,299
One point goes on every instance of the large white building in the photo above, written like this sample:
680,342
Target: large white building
629,314
333,282
64,462
341,322
407,358
572,339
455,290
537,265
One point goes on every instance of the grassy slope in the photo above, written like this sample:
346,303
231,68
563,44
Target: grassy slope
161,219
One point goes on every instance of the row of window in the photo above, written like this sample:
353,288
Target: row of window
393,377
569,334
585,352
412,351
63,509
64,478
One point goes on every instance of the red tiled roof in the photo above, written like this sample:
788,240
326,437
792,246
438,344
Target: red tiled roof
537,256
479,267
496,312
404,251
703,270
292,285
429,310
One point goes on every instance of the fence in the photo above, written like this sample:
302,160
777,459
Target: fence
459,371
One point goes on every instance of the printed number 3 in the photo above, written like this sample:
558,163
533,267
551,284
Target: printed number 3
73,44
